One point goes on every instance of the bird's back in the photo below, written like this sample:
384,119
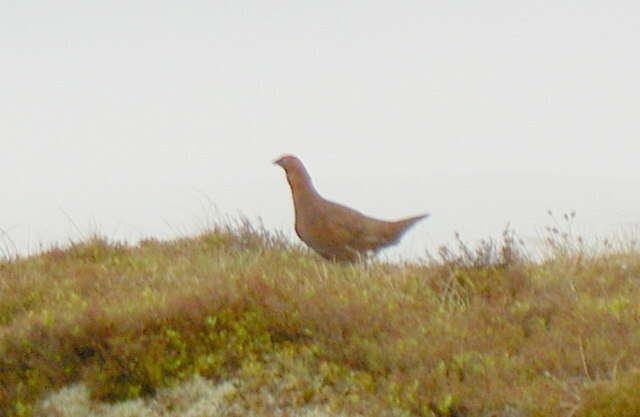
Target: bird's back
340,233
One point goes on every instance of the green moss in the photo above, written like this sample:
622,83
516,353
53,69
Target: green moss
139,364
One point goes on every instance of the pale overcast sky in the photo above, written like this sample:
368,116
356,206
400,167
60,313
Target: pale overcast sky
133,118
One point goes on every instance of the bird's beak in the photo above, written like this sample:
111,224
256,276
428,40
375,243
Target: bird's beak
278,162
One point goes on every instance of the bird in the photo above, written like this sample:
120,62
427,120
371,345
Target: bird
336,232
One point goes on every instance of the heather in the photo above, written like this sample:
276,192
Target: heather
272,329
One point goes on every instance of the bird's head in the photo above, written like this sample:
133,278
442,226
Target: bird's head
288,162
297,174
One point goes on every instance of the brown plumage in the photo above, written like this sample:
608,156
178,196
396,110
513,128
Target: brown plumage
334,231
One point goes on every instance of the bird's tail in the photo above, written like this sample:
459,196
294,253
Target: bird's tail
401,226
412,220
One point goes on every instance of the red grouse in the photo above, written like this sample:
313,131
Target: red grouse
336,232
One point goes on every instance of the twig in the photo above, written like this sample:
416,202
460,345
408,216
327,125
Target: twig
584,361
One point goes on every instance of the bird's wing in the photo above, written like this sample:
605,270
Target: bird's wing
346,227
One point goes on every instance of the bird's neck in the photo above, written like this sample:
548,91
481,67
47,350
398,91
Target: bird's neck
302,188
